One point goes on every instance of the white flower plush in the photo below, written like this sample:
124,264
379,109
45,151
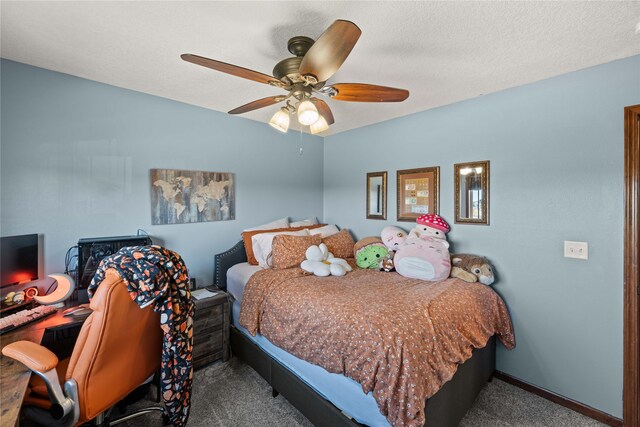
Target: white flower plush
322,263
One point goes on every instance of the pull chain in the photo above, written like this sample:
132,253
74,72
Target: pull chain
301,149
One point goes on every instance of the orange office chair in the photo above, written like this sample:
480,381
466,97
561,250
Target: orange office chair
119,347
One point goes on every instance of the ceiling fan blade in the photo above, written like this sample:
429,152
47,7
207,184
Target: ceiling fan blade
324,111
330,50
234,70
362,92
260,103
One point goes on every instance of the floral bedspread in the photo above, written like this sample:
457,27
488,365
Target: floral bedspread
400,338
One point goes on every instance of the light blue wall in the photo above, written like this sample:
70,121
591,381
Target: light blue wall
76,156
75,160
556,152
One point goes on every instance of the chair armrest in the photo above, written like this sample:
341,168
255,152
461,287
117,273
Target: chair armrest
43,363
32,355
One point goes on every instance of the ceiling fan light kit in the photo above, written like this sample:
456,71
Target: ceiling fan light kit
306,74
319,126
307,113
280,120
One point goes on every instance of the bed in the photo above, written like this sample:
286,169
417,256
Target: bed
332,399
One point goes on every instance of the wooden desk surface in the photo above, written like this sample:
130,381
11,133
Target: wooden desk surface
14,376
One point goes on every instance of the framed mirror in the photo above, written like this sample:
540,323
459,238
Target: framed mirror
471,186
377,195
418,192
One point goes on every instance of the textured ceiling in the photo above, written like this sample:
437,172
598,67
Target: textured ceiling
442,52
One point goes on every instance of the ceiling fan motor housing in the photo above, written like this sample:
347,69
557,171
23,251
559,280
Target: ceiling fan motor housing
287,70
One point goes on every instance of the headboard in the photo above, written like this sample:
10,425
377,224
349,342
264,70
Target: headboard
225,260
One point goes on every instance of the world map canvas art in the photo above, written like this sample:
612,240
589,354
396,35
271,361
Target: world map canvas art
181,197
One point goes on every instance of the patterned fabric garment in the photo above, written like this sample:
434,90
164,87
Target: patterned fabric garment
158,276
400,338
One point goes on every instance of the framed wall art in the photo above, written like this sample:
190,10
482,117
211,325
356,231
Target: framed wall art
182,197
418,192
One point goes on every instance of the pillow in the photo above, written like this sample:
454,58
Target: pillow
262,244
340,244
248,246
310,221
325,231
278,223
248,234
289,251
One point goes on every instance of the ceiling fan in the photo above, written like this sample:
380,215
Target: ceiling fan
305,75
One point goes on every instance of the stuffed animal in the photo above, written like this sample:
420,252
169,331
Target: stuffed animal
322,263
369,252
430,225
393,237
472,268
423,258
386,264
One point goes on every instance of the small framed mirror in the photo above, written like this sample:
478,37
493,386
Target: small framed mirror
471,182
377,195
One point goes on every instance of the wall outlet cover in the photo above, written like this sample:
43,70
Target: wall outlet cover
579,250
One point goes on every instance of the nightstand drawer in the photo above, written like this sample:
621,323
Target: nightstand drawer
208,315
209,342
210,333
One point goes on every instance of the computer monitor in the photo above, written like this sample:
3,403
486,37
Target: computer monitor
18,259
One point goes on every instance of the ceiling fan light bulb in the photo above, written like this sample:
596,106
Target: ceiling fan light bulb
319,126
307,113
280,121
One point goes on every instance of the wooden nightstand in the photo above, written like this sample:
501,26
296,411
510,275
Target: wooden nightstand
211,329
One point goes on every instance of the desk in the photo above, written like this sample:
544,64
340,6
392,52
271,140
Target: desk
14,376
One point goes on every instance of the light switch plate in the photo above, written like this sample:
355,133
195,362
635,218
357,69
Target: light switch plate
579,250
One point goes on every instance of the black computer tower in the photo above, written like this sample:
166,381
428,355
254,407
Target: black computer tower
92,250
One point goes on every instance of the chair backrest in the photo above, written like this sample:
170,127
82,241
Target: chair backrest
119,347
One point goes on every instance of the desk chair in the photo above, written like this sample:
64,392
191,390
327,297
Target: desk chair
119,347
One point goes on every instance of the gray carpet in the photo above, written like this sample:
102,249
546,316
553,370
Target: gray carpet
234,395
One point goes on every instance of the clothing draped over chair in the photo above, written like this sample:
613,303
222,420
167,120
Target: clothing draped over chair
155,275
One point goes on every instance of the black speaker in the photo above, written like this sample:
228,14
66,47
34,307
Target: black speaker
92,250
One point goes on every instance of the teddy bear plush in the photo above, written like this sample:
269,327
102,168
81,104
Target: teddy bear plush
425,258
472,268
370,252
430,225
322,263
393,237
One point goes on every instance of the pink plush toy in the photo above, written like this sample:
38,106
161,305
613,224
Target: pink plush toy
423,258
430,225
393,237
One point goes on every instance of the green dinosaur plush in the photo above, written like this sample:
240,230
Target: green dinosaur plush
370,252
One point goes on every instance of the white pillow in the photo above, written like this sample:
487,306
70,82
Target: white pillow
326,231
262,244
278,223
310,221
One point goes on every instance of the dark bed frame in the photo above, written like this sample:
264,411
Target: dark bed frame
445,408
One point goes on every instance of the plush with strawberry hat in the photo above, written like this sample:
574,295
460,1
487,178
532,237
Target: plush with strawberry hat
430,225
